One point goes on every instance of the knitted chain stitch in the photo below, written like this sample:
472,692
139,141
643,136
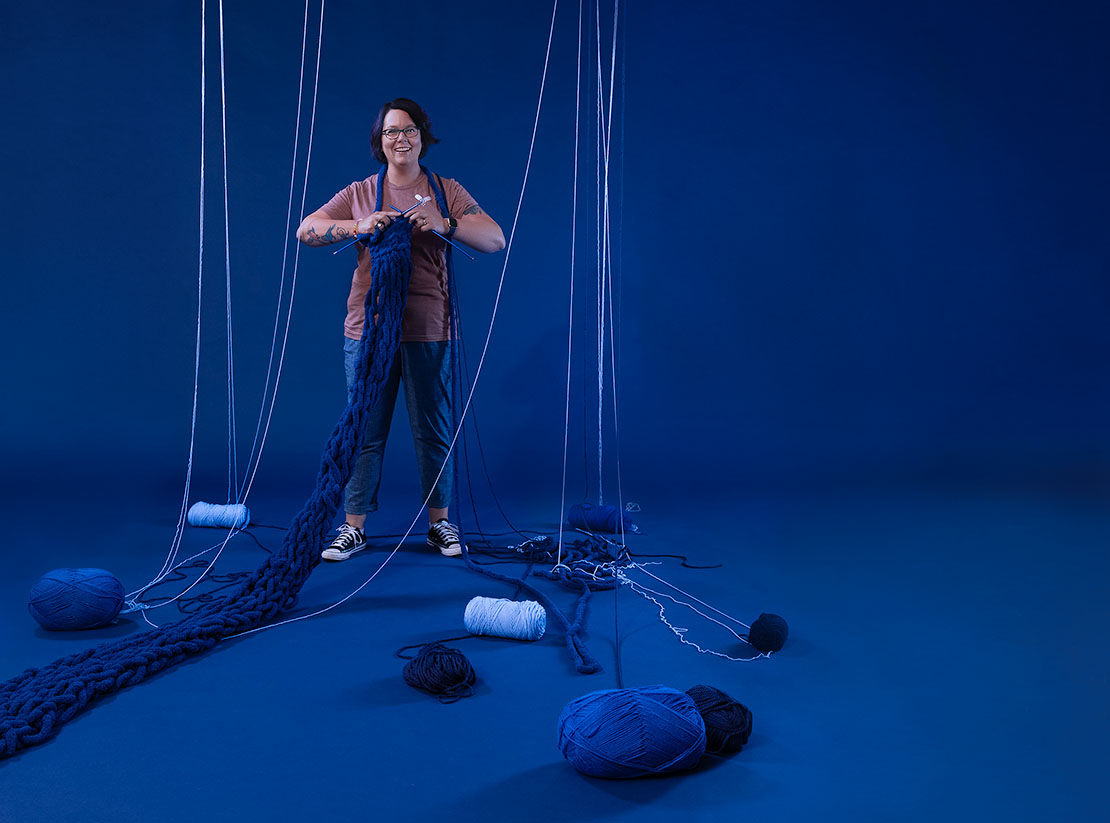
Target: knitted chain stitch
35,704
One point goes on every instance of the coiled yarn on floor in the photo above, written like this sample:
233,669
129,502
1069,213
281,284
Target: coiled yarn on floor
728,723
621,733
441,671
499,617
68,599
35,704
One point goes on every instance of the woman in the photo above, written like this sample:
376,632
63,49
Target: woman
400,138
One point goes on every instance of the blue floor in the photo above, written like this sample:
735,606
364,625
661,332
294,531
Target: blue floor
945,662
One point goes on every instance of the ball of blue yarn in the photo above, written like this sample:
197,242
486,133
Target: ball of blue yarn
67,599
728,723
622,733
599,519
441,671
768,633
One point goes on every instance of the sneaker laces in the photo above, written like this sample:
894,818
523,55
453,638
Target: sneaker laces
348,535
446,532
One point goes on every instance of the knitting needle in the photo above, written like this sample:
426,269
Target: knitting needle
420,201
436,233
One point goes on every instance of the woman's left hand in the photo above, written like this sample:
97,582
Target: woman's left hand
427,218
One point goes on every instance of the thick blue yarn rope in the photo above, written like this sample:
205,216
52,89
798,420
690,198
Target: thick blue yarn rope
35,704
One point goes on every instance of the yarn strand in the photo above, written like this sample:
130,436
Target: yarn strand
35,704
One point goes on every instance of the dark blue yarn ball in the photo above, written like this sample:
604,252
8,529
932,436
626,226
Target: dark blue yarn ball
599,519
67,599
621,733
768,633
728,723
441,671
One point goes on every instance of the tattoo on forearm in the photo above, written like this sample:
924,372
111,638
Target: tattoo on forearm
333,235
475,209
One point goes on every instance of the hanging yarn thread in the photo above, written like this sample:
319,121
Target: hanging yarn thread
599,519
441,671
622,733
71,599
499,617
728,723
216,515
37,703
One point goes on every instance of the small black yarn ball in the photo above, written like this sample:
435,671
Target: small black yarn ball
441,671
728,722
768,633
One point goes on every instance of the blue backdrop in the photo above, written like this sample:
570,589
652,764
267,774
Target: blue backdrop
850,242
860,299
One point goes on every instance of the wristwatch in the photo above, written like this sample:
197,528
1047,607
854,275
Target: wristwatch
452,224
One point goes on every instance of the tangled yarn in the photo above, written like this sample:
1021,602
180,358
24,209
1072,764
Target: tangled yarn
35,704
67,599
441,671
728,723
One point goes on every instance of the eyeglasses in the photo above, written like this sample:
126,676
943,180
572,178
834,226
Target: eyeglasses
409,132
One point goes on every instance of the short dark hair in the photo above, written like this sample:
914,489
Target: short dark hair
419,118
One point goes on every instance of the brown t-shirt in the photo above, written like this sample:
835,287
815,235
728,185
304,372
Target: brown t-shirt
427,310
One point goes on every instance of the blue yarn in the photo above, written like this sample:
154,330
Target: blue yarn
498,617
768,633
728,722
600,519
441,671
35,704
576,579
228,516
620,733
67,599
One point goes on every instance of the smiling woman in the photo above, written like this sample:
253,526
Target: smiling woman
437,208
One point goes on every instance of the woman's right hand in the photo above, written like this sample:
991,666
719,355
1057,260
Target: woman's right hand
375,221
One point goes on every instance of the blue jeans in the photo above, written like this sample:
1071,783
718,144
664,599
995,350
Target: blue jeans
425,371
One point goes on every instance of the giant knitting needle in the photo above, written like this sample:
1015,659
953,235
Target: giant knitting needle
436,233
420,201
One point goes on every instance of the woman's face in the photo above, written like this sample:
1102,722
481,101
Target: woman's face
402,150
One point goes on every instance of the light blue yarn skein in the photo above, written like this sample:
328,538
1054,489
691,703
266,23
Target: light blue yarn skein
216,515
622,733
498,617
73,599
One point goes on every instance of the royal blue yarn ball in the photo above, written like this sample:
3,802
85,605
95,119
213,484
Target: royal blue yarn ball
620,733
67,599
768,633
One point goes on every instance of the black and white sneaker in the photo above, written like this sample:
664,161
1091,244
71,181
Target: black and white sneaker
350,541
445,537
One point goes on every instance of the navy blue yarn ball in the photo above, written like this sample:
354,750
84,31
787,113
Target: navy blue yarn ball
68,599
441,671
598,519
728,723
622,733
768,633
